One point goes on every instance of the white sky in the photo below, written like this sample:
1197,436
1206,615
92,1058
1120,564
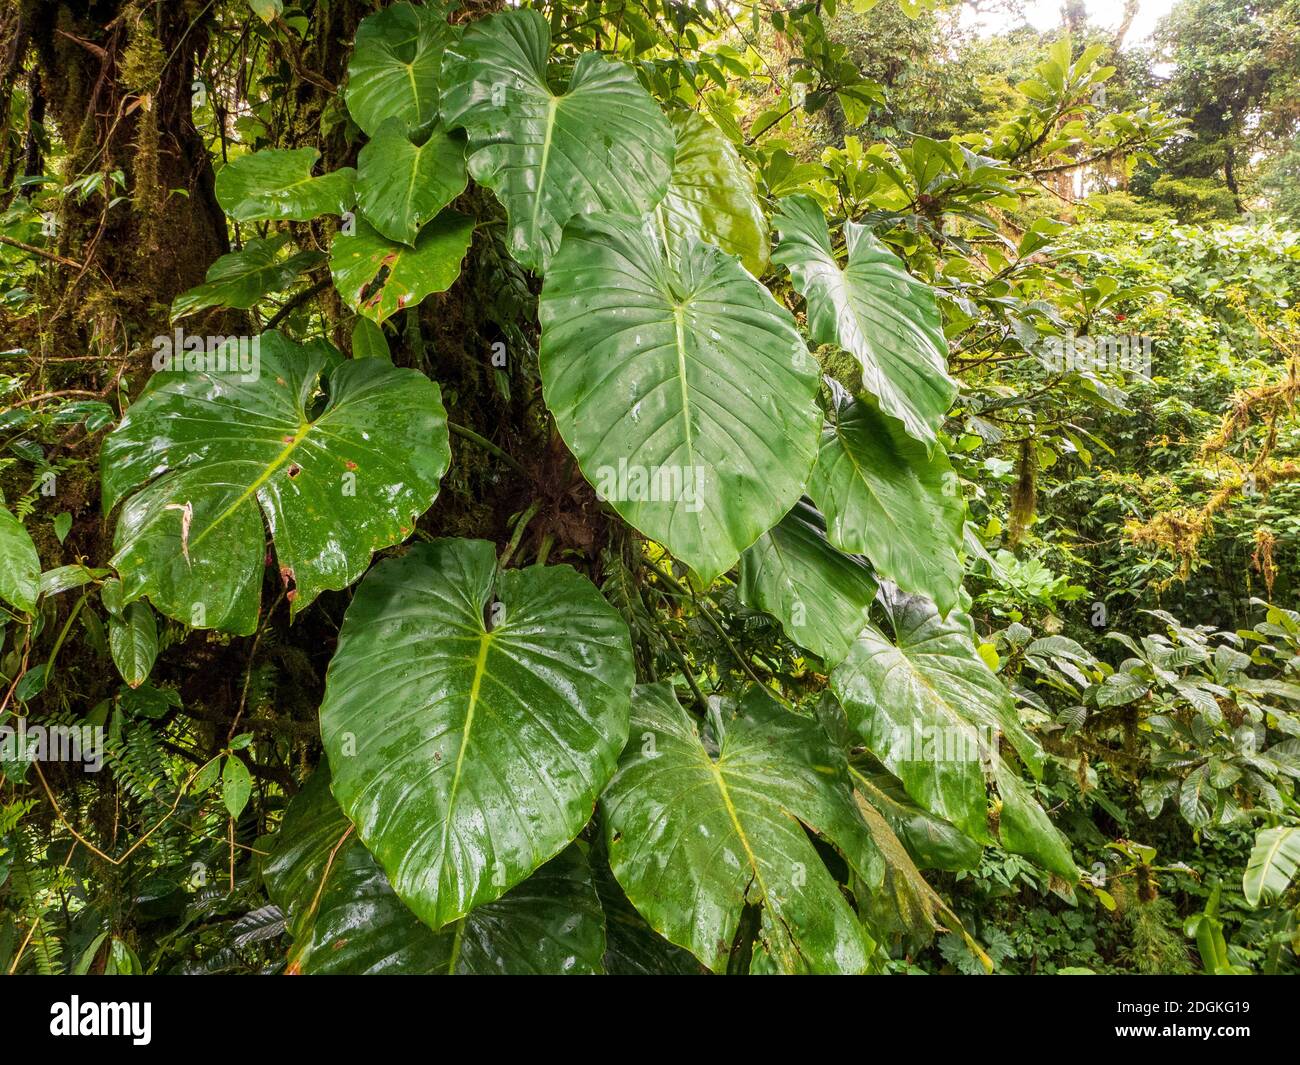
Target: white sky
1046,15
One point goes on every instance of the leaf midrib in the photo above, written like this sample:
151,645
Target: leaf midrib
261,479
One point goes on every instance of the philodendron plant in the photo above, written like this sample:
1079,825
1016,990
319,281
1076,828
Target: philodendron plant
508,788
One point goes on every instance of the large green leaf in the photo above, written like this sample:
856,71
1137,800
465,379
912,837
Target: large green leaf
401,185
930,710
821,597
133,643
469,751
1274,861
883,497
632,947
378,277
684,389
712,195
602,145
242,278
875,310
20,567
393,72
277,183
694,838
206,448
346,918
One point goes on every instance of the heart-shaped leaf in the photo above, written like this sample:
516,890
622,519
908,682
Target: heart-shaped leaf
401,185
277,183
821,596
885,498
346,919
378,277
930,710
20,567
875,310
205,448
243,278
695,838
393,72
602,145
712,195
471,719
683,389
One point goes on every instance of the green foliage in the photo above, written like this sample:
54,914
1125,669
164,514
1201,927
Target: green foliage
740,606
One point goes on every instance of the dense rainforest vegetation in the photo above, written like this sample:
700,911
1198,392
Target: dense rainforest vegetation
649,486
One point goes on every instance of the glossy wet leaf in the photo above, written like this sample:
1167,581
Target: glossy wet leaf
20,567
694,838
401,185
821,596
133,643
242,278
601,145
378,277
885,498
471,719
308,445
926,705
875,310
684,390
346,918
393,72
277,183
632,947
711,195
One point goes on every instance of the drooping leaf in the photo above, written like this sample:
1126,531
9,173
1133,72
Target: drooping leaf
133,642
471,718
932,842
401,185
242,278
601,145
883,497
684,390
20,567
207,448
1274,861
693,838
902,897
378,277
346,918
875,310
369,341
393,72
1024,827
821,596
930,710
711,196
277,183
